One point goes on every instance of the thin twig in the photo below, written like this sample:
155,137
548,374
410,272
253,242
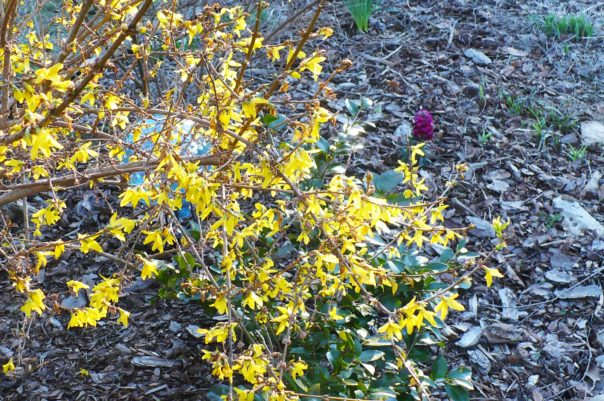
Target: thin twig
250,49
20,191
290,20
94,70
5,31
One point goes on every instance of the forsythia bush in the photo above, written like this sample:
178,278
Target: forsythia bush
321,280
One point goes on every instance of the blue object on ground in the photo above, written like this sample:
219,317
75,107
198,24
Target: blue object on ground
190,147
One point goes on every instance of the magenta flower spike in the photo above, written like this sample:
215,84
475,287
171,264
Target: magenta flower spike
423,125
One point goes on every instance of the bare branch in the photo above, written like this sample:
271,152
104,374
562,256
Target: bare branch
96,68
20,191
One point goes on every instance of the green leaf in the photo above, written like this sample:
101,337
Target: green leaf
399,199
419,354
194,230
217,391
352,106
278,124
315,389
383,393
323,145
332,357
376,341
315,183
462,244
269,118
370,355
301,384
460,377
447,255
466,284
274,122
456,393
435,286
285,250
395,266
387,181
370,368
464,257
187,298
439,368
437,267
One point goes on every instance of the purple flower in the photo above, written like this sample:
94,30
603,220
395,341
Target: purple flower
423,125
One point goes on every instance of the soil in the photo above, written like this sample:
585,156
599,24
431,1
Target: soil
536,343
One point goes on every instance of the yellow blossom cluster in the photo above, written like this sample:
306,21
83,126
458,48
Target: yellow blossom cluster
269,250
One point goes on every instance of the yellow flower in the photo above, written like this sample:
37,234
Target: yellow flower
298,369
326,32
123,319
52,74
155,238
221,305
333,314
253,367
461,168
42,143
416,150
34,302
273,52
8,366
21,284
86,317
437,214
76,286
59,249
252,300
149,268
424,314
244,395
89,243
489,274
133,196
446,303
249,108
499,226
282,319
313,64
219,333
392,330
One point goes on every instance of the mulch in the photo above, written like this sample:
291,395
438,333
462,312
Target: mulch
534,343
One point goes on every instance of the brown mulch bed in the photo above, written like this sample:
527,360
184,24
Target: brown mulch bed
534,344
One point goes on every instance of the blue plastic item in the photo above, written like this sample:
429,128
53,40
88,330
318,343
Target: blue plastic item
190,147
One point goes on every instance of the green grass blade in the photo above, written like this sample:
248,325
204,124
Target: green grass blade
360,11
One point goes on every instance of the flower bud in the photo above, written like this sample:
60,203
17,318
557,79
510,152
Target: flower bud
423,125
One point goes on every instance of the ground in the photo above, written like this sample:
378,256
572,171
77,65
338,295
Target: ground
536,341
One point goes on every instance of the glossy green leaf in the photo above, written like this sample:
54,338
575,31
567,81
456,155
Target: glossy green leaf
456,393
436,267
323,145
370,355
388,180
352,106
439,368
446,255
